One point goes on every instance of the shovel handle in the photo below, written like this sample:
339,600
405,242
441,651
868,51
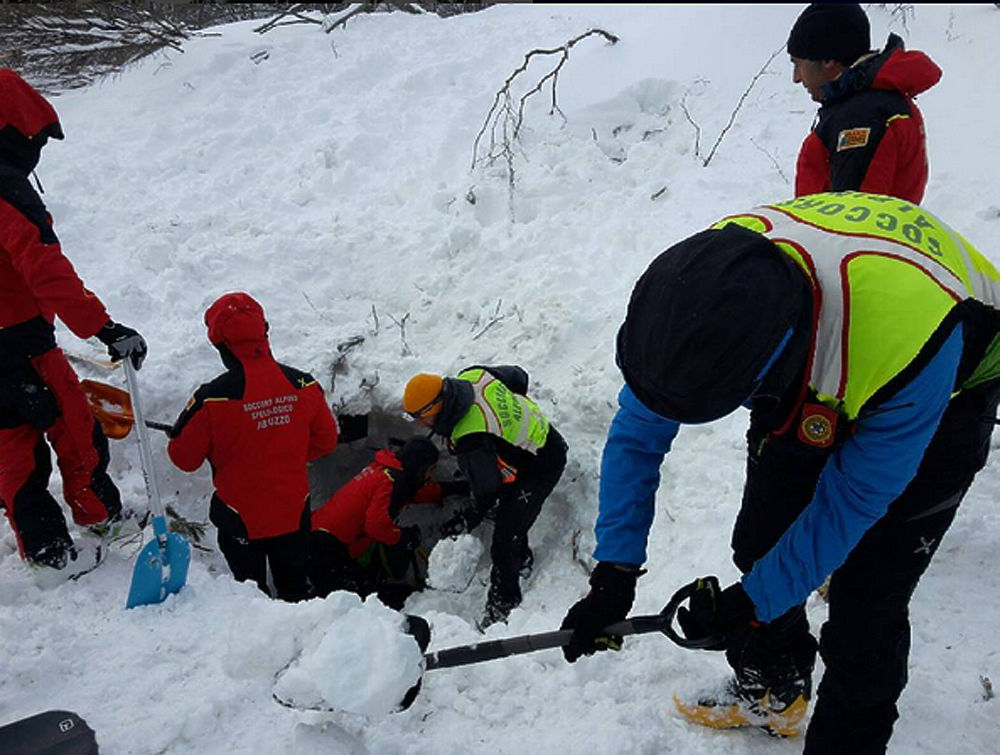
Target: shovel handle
465,655
145,454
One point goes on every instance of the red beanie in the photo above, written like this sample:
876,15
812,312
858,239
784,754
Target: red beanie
236,318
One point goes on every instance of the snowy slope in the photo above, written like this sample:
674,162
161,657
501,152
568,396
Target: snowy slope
331,180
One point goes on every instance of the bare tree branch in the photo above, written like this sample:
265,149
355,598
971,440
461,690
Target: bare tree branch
401,324
739,104
503,121
494,319
773,159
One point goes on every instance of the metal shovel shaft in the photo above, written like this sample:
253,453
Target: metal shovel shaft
145,454
528,643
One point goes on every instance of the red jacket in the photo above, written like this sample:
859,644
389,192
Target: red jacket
257,424
36,280
869,133
362,511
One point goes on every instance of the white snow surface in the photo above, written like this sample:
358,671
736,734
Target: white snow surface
332,181
453,562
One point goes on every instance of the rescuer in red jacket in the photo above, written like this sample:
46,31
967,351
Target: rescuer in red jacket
869,133
258,425
362,514
40,396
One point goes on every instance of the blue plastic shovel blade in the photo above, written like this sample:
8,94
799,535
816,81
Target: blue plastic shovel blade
156,575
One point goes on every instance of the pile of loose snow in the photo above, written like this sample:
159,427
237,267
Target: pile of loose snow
453,562
364,663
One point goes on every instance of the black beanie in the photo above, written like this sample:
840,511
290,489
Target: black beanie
830,31
417,455
704,320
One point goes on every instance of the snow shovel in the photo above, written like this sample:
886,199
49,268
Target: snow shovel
162,565
465,655
112,408
479,652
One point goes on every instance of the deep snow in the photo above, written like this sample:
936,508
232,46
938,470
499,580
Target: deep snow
331,180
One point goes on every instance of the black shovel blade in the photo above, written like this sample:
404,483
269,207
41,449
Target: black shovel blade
48,733
421,632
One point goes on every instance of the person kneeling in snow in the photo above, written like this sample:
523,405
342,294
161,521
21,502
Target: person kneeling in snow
258,425
509,451
356,543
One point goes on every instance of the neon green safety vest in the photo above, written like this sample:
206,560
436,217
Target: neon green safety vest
498,410
886,273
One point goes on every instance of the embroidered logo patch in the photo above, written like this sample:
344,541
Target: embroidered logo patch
853,137
818,425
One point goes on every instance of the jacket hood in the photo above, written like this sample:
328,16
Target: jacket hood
894,69
27,122
706,322
907,72
457,397
386,458
237,322
414,459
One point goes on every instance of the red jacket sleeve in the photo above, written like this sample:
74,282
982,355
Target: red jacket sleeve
378,523
812,169
191,446
322,426
27,236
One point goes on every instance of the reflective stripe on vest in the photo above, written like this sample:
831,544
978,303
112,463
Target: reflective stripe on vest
498,410
887,272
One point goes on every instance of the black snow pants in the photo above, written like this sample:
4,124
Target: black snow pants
520,504
865,641
248,559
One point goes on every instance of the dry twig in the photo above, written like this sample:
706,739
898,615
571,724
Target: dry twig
401,324
494,319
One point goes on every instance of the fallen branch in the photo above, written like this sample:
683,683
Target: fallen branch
504,119
697,128
294,13
401,324
496,317
773,159
739,104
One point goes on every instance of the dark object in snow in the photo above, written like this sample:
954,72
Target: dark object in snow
54,732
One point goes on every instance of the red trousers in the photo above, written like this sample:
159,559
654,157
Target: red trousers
81,453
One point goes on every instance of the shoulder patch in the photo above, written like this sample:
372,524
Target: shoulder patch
297,378
851,138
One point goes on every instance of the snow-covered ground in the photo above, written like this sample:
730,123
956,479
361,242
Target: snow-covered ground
331,179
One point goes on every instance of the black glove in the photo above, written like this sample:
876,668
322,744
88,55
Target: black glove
612,590
122,341
454,526
409,538
713,612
